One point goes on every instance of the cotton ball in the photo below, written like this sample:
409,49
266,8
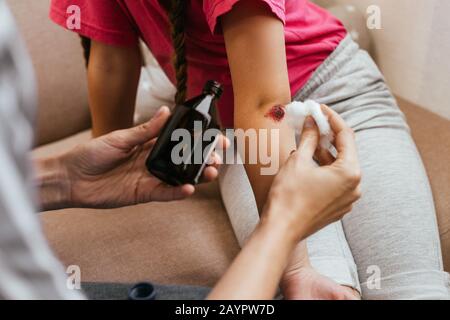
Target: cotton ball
326,133
296,113
315,111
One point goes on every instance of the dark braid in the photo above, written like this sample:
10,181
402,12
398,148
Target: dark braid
177,16
86,43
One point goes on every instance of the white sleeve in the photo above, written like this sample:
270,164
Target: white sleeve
28,269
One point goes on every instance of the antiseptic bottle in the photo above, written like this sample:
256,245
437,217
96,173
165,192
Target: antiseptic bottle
181,152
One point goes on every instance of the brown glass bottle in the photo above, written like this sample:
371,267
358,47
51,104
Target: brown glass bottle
180,153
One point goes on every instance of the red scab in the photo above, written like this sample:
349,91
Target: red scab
277,113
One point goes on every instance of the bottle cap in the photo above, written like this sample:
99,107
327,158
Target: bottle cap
213,87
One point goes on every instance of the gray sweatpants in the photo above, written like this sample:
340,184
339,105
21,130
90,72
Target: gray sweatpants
388,247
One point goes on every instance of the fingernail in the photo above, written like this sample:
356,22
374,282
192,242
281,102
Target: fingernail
159,112
309,123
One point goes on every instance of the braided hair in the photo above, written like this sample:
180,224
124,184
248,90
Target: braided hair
177,18
86,44
176,11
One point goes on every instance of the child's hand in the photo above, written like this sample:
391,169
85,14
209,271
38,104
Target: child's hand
304,197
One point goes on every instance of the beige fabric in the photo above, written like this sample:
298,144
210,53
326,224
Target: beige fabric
432,135
60,72
187,242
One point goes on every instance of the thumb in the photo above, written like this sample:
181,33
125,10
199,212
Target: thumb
129,138
309,140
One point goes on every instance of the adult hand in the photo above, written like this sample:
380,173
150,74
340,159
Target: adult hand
305,197
110,171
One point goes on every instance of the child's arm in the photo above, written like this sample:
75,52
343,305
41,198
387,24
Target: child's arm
257,57
256,51
295,210
113,77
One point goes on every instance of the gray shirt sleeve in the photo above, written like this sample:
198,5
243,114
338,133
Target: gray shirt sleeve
28,269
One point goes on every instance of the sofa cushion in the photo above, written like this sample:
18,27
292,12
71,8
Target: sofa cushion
60,72
183,242
191,241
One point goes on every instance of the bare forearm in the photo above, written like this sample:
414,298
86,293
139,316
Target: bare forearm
275,142
279,154
255,274
256,51
113,77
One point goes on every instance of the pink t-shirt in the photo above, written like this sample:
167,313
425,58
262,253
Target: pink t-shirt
311,35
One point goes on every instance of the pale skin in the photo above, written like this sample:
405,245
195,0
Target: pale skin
256,53
87,176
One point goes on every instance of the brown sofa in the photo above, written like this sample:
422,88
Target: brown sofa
186,242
